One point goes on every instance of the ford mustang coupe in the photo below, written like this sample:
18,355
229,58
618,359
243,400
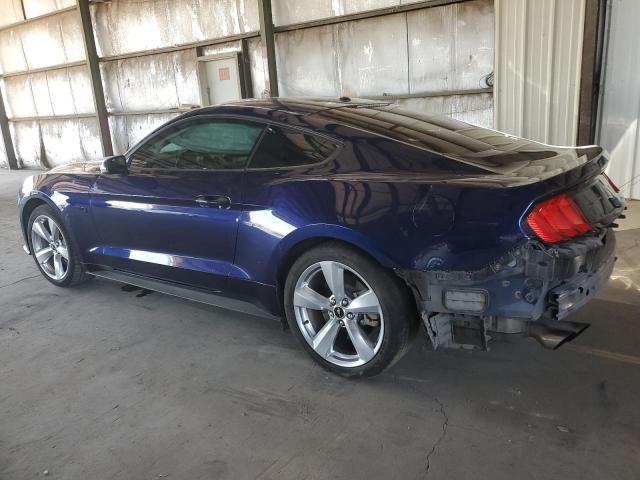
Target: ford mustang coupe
353,221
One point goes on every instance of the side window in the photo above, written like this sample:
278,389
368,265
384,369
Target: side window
282,147
200,145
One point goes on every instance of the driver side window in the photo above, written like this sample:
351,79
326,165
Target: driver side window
206,144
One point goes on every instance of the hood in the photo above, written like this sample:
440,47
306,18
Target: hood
90,167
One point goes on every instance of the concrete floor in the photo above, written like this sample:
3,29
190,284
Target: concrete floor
99,383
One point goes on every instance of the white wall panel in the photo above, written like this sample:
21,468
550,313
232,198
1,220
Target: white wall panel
373,56
35,8
307,62
451,47
42,99
10,12
12,57
476,108
27,143
152,82
130,26
42,43
19,97
258,66
296,11
619,130
130,129
537,68
62,91
441,48
67,141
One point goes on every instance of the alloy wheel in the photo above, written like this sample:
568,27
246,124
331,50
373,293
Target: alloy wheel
50,248
338,314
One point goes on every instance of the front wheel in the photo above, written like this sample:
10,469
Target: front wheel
52,249
354,317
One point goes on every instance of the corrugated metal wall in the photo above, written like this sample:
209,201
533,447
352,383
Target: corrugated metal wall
65,91
441,49
619,130
538,61
445,49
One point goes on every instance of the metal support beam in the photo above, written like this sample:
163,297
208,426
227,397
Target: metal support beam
592,49
6,137
96,81
268,44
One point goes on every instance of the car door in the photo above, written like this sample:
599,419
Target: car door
174,215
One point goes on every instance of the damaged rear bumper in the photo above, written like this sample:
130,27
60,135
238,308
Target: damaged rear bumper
531,283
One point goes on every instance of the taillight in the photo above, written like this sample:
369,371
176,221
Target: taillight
557,219
613,185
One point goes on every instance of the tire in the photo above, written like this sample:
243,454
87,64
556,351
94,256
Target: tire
74,272
329,332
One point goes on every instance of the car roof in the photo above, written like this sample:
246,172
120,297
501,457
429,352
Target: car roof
440,134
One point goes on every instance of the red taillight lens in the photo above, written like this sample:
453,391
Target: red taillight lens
557,219
613,185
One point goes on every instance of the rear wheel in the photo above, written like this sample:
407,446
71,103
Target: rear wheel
52,250
354,317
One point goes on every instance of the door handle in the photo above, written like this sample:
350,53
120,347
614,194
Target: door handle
219,201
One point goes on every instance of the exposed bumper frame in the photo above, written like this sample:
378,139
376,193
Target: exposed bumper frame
531,283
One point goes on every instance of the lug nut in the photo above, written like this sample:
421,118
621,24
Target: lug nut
345,302
350,316
332,300
342,323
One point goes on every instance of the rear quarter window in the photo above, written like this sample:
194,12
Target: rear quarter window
283,147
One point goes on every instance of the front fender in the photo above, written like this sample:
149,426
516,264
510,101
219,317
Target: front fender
57,201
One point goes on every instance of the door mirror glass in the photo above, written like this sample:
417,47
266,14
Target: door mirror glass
114,165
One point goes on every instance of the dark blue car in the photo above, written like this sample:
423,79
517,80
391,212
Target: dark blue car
355,222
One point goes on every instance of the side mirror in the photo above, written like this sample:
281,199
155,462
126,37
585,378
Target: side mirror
114,165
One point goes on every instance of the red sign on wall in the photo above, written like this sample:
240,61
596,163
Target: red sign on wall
224,73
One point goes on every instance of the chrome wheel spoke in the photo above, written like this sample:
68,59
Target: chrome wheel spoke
64,251
306,297
365,303
324,340
334,275
39,230
55,231
44,255
57,264
361,342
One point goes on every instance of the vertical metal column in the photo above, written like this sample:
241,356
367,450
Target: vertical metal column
268,43
6,136
96,82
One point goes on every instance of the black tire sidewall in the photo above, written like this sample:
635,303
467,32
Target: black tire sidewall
73,266
397,306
